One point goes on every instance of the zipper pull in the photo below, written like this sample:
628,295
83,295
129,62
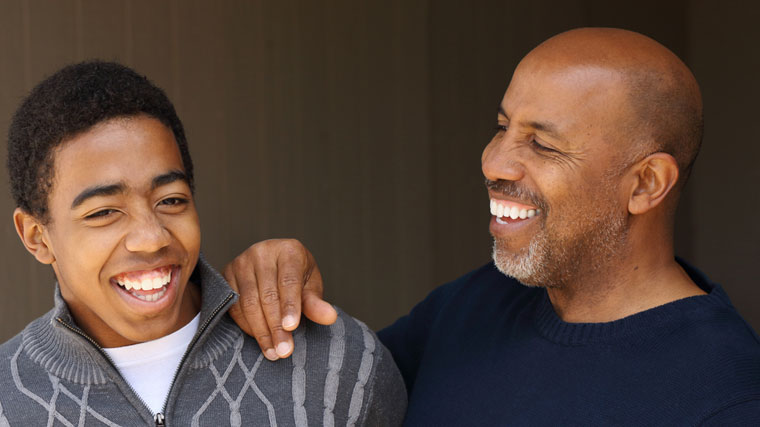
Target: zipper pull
159,419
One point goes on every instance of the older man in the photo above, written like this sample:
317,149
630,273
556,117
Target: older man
585,316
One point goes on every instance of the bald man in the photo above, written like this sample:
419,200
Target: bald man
584,316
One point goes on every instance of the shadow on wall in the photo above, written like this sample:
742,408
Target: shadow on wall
358,127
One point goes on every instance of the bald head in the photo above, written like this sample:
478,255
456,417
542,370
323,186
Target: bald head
664,111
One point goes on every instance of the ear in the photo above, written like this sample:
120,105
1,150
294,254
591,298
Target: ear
32,235
654,177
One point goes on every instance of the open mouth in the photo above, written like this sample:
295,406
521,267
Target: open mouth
146,285
508,212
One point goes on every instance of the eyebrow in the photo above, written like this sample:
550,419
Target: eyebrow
113,189
541,126
168,178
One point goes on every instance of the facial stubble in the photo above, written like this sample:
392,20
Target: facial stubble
567,247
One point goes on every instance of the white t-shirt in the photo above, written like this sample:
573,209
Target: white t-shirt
149,367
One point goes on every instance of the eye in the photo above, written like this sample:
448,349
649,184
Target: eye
104,213
173,201
500,128
540,147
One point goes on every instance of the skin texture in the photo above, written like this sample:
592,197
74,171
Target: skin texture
598,128
140,227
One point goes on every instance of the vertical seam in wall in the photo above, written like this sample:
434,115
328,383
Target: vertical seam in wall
175,58
433,168
128,33
27,37
79,30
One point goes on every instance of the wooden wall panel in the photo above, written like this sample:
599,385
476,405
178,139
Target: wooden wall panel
726,232
357,127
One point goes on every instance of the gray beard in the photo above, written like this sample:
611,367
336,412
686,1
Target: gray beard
554,262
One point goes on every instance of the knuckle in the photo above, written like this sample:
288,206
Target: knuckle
270,297
248,301
290,281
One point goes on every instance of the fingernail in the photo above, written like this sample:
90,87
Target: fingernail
270,354
288,321
282,349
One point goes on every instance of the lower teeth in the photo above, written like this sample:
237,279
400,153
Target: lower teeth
152,297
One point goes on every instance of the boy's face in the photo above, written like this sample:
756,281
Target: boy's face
122,216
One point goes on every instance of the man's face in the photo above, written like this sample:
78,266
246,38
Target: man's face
553,173
122,216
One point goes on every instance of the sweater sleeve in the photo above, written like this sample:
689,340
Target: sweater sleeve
742,414
407,337
386,403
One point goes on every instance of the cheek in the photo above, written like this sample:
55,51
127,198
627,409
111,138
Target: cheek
84,247
187,231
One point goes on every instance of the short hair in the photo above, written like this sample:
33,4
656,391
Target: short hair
70,102
668,112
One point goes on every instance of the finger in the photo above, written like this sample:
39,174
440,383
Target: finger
266,279
248,310
235,312
290,278
314,307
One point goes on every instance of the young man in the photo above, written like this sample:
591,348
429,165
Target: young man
103,182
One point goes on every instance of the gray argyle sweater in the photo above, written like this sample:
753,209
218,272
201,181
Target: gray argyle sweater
53,374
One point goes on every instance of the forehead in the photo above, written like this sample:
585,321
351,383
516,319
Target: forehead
129,150
579,102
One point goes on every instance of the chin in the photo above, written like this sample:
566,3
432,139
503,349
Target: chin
527,266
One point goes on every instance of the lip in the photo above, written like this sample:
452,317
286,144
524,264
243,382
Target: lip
151,307
508,227
501,197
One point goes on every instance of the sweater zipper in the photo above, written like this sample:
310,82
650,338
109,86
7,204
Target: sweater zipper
160,420
159,417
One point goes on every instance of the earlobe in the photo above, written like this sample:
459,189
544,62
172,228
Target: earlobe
655,176
32,235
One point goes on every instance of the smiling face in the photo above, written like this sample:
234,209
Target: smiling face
553,171
123,234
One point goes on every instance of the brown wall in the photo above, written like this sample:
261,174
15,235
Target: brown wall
357,126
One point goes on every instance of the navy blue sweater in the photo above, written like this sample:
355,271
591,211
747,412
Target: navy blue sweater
485,350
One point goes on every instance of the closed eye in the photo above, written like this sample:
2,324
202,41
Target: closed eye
174,201
540,147
103,213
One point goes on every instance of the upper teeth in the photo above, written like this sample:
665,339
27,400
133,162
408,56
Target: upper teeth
147,282
503,208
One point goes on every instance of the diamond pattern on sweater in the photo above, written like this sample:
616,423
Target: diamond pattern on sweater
221,389
59,390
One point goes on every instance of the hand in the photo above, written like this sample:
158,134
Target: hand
275,280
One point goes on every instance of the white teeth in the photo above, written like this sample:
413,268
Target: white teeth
146,284
514,213
500,210
500,221
151,297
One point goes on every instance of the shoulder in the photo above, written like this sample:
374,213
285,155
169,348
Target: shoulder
355,366
717,349
483,284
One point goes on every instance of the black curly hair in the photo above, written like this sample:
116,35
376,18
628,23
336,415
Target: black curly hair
70,102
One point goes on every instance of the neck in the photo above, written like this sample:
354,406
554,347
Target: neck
627,284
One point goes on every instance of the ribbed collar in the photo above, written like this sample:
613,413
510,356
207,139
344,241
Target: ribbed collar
640,325
50,341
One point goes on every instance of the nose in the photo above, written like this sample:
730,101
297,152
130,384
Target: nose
500,159
147,235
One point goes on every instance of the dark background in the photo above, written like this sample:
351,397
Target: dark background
357,126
